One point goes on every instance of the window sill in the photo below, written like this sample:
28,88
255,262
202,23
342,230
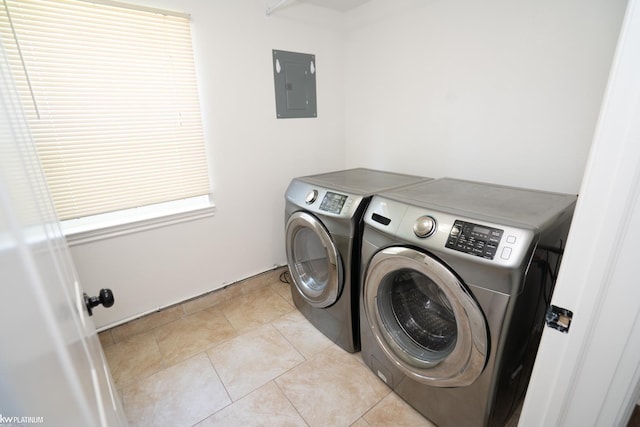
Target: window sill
106,226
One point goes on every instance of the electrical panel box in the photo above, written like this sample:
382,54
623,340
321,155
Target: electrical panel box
294,76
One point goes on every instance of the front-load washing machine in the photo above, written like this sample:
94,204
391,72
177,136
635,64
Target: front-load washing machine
323,217
456,277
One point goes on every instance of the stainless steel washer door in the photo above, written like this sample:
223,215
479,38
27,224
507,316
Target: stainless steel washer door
313,260
424,318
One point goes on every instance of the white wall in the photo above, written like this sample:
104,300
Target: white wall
497,91
252,155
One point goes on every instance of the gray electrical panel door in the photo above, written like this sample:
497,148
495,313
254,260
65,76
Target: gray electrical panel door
294,75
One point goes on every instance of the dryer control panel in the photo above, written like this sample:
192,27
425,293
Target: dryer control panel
333,202
474,239
321,201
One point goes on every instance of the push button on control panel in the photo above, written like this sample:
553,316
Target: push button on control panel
474,239
348,204
506,253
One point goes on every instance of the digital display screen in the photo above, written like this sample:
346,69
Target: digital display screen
333,202
481,230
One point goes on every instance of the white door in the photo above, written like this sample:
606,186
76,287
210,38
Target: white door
52,368
590,376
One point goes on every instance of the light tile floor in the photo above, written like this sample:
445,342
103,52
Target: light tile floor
244,356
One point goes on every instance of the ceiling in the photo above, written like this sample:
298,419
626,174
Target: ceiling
339,5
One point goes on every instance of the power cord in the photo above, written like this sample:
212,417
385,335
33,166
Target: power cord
285,276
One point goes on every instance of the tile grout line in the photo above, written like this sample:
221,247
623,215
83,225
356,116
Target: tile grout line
287,340
225,390
289,400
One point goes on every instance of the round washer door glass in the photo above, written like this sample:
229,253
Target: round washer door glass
424,318
313,260
418,314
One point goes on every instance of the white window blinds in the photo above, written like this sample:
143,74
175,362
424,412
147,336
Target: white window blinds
111,97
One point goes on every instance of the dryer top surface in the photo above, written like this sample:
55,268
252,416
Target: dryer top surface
519,205
361,181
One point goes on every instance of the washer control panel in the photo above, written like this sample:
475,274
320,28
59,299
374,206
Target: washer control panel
474,239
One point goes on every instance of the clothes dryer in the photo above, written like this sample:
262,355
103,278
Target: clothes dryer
323,218
457,276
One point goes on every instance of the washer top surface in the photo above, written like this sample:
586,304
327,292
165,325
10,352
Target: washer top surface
519,205
361,181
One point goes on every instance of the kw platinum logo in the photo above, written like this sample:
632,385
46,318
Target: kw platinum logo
13,421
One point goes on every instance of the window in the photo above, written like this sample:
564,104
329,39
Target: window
111,98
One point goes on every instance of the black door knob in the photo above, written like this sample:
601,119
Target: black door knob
105,297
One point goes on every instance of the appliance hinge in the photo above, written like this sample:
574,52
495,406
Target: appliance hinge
559,318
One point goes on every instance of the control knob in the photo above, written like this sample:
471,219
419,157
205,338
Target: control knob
424,226
311,197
